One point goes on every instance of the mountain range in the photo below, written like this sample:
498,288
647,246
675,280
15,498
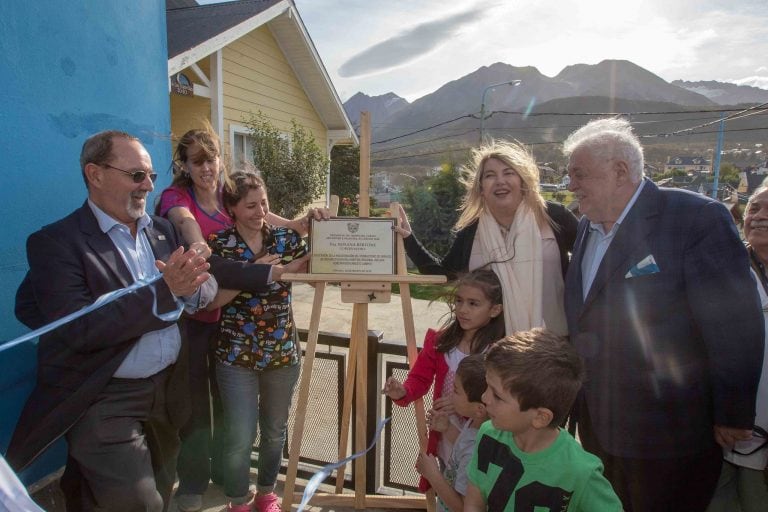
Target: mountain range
609,86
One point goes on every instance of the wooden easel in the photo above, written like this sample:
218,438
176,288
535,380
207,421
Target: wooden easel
360,290
357,289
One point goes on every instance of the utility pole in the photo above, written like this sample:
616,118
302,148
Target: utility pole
716,163
513,83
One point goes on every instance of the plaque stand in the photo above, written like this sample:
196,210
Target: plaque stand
360,290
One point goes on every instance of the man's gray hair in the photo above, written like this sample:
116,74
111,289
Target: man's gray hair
97,149
609,138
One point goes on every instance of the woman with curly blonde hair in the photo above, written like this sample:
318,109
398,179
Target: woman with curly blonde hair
506,224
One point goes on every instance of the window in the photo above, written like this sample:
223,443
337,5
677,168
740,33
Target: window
242,143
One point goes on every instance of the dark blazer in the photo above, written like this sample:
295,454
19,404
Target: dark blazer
672,353
456,260
71,263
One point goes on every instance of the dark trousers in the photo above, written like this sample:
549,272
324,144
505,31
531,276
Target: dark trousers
657,485
201,446
122,452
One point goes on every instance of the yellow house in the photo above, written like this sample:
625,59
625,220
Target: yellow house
230,60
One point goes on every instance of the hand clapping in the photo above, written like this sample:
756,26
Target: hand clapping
184,271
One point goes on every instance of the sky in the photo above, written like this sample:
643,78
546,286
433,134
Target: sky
412,47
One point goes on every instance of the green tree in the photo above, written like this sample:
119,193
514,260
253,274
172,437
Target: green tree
433,208
729,174
670,174
294,169
345,178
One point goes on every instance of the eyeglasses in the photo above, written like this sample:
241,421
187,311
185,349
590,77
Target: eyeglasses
138,176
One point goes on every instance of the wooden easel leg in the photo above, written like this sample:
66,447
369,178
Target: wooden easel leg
418,405
361,396
303,398
346,411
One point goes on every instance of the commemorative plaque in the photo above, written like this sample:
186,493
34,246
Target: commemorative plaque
353,245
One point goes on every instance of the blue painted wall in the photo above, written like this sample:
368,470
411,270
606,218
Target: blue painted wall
67,69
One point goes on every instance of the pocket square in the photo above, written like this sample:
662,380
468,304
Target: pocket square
644,267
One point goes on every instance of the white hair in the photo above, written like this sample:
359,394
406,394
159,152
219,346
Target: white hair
609,138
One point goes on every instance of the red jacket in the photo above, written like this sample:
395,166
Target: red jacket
430,366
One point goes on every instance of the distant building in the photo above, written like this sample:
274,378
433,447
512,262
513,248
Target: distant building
689,164
751,178
698,183
380,182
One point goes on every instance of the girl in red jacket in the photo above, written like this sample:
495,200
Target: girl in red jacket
475,322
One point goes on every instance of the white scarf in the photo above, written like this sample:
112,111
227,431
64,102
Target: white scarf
517,260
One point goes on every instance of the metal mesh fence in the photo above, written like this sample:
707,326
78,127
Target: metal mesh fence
394,455
401,443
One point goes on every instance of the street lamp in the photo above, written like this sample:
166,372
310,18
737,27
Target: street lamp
513,83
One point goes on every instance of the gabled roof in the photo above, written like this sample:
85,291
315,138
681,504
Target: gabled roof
178,4
687,160
191,27
754,180
198,31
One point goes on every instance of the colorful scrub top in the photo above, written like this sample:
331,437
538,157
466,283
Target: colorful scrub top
256,330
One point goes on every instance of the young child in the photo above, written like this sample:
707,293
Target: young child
475,322
468,389
522,459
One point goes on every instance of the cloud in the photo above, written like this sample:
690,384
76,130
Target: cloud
408,45
754,81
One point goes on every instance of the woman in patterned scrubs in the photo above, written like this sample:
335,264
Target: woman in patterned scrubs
257,348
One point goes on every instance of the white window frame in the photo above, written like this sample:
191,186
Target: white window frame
234,131
240,130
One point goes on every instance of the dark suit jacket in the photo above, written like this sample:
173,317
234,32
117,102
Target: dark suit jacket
669,354
457,258
71,264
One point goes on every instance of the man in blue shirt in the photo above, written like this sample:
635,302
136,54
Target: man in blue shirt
113,381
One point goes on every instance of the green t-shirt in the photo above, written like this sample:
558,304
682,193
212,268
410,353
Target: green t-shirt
559,478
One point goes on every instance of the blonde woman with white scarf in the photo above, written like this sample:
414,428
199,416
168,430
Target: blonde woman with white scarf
507,225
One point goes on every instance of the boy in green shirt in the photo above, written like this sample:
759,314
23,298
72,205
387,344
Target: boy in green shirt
523,461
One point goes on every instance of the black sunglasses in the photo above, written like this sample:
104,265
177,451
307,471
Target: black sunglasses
137,176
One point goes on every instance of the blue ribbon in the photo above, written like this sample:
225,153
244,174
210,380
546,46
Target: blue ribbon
171,316
324,473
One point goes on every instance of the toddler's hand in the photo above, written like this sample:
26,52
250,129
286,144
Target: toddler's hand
427,466
394,389
438,420
444,404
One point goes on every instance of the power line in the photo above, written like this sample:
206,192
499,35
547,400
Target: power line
739,113
543,143
725,119
422,130
424,141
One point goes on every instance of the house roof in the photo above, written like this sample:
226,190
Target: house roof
754,180
195,32
687,160
178,4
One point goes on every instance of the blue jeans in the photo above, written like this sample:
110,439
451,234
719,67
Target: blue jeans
244,394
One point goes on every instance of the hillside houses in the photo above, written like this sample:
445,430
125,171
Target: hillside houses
688,164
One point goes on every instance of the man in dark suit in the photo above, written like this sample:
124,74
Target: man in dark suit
661,306
113,381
